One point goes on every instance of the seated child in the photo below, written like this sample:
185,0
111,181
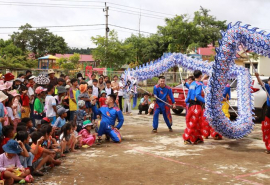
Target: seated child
8,133
61,121
76,134
41,155
26,157
10,166
87,137
67,140
29,125
80,115
151,108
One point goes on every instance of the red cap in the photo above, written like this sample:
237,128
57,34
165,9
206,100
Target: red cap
9,76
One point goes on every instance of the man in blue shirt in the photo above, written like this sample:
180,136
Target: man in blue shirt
109,113
266,122
163,92
144,104
194,116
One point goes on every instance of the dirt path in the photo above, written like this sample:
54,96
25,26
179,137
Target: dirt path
162,158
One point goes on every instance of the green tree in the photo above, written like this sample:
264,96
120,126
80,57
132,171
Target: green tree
74,58
39,41
112,52
13,57
209,27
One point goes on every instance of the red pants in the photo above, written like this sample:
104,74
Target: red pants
207,130
193,123
266,132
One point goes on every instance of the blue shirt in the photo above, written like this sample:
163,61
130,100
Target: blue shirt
59,122
227,92
267,87
109,115
163,94
195,92
186,85
142,100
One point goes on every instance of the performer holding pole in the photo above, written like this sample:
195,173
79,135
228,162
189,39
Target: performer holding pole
192,134
163,92
266,122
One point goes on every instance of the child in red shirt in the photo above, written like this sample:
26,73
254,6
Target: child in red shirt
102,99
25,102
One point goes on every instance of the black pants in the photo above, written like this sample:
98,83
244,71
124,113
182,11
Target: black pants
268,112
143,108
120,102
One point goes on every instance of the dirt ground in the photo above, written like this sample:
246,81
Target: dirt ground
162,158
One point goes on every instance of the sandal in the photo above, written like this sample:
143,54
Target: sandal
187,142
38,173
22,181
29,178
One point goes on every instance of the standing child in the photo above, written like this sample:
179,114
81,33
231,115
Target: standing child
87,137
80,115
102,98
10,165
16,107
72,98
127,95
25,102
3,111
95,88
50,104
38,106
108,88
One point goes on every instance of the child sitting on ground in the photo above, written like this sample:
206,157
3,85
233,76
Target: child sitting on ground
80,115
151,108
87,137
29,125
61,121
67,139
8,133
76,134
26,157
10,166
41,155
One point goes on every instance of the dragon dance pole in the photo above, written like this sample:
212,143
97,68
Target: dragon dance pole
155,96
182,82
255,71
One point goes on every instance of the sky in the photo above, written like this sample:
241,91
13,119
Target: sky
122,13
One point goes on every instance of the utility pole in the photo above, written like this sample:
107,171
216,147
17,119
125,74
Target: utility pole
137,53
106,10
107,29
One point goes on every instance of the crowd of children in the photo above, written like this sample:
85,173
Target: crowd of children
43,118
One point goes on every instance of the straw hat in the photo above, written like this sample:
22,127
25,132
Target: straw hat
3,96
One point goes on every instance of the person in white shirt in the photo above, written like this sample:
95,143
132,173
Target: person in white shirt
50,105
108,88
95,88
90,82
120,93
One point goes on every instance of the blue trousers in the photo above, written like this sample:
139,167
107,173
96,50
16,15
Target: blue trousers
109,131
166,115
26,161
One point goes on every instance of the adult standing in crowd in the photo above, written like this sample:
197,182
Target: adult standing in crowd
52,78
101,85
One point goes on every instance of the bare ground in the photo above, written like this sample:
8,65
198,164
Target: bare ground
162,158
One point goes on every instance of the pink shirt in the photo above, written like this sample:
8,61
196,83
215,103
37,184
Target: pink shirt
7,163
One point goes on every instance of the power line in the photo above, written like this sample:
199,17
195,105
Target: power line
137,14
116,4
67,30
49,5
129,28
55,26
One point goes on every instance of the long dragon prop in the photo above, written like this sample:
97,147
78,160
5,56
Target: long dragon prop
220,71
